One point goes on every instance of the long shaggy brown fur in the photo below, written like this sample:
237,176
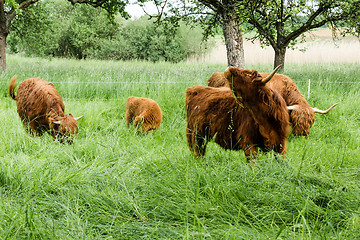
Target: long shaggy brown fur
301,118
41,109
249,117
218,80
144,112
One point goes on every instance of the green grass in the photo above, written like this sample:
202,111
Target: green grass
113,183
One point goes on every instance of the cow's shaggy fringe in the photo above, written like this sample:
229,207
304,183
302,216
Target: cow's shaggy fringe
274,110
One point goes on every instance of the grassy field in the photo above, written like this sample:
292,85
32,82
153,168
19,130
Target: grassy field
115,184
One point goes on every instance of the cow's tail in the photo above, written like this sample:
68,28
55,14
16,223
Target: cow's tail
12,87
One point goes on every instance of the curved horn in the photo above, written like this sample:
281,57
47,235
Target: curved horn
291,107
56,122
79,117
316,110
265,80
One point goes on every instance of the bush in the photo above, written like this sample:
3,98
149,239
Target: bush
56,28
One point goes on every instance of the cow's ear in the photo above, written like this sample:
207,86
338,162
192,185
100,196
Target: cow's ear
255,76
255,73
227,73
233,70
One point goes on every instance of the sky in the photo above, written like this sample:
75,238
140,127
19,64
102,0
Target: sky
136,11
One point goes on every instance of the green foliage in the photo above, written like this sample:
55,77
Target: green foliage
154,42
282,24
13,4
56,28
82,31
113,183
40,38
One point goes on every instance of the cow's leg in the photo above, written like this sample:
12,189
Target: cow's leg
146,127
34,128
251,155
190,138
138,121
282,151
200,145
25,121
129,116
27,127
279,146
195,142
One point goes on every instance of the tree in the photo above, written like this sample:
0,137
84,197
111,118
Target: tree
10,9
55,28
211,13
280,23
226,11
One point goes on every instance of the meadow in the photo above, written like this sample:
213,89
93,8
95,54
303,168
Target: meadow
113,183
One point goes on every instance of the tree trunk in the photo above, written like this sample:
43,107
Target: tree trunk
2,50
4,31
280,58
233,40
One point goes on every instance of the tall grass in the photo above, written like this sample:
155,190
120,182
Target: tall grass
319,47
113,183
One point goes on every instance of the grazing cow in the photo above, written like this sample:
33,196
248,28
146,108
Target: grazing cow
249,116
144,112
41,109
302,115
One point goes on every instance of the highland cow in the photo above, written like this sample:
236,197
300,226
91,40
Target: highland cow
41,109
302,115
144,112
247,117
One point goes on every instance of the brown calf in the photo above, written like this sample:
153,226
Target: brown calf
144,112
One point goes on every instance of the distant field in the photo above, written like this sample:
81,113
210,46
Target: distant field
115,184
320,48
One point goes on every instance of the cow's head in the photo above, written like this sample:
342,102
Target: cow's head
245,82
302,118
64,128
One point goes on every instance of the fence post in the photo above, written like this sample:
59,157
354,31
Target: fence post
309,89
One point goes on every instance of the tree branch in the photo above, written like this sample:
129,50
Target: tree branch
22,5
92,3
212,4
263,31
159,12
308,25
